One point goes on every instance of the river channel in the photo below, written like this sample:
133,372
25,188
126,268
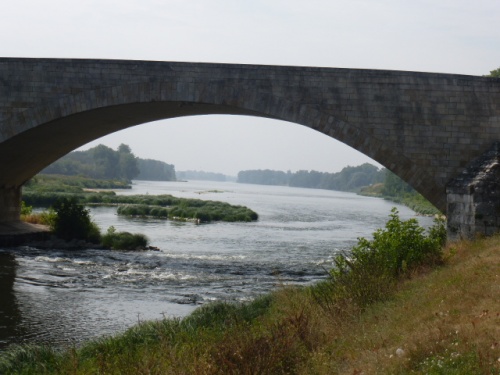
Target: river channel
63,298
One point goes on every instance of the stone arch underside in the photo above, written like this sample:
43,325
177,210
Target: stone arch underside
57,127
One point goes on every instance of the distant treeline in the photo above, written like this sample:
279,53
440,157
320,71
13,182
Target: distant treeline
348,179
200,175
102,162
155,170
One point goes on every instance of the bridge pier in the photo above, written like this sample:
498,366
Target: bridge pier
10,204
473,198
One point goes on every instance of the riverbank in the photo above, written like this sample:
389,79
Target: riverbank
414,201
19,232
442,320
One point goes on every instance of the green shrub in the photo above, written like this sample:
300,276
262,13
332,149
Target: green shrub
72,221
369,272
25,209
123,240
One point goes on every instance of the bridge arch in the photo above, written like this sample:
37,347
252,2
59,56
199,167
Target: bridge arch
427,128
57,127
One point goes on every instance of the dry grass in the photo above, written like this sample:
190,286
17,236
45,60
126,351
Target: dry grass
43,218
32,219
442,318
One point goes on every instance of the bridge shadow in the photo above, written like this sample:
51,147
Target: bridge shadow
10,314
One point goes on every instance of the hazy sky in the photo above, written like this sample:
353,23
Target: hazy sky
451,36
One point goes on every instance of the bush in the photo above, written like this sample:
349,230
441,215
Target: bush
25,209
123,240
369,272
72,221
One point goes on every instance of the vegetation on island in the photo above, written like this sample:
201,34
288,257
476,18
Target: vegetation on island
426,310
49,183
46,191
123,240
184,209
70,221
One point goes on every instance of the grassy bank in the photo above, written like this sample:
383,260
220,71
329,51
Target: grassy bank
441,319
414,201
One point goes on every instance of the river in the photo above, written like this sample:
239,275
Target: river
66,297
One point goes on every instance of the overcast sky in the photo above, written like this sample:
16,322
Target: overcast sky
450,36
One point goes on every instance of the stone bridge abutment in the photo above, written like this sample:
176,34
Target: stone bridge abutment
427,128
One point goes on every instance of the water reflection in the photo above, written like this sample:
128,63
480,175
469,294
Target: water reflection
10,315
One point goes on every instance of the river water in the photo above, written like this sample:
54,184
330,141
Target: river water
65,297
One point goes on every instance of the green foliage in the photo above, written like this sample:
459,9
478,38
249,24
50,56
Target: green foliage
100,162
398,191
155,170
185,209
123,240
143,210
69,184
72,221
494,73
369,272
25,209
394,186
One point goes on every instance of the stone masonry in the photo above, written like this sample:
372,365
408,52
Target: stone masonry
474,198
425,127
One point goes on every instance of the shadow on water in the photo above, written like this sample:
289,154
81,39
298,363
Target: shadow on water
10,315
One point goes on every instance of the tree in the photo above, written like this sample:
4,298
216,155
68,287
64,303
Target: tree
394,186
73,221
106,161
123,148
494,73
100,162
127,163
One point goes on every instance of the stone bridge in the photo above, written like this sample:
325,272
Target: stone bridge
438,132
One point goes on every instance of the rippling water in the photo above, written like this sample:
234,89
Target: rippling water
65,297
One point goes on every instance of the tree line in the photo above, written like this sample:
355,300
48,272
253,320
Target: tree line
201,175
102,162
348,179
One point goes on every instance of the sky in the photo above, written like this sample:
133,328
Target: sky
449,36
